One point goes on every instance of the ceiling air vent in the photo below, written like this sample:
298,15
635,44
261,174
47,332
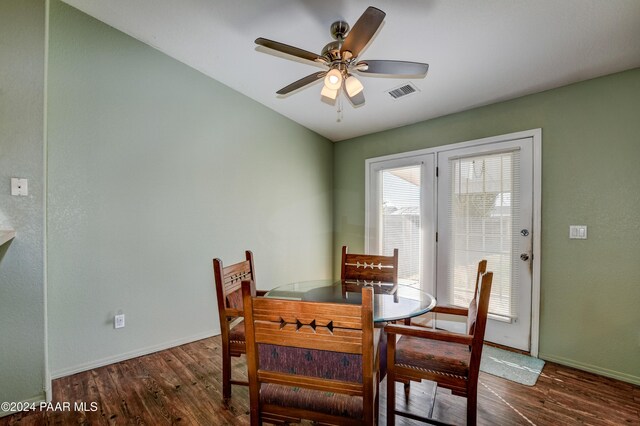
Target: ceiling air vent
404,90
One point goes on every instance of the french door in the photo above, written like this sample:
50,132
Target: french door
401,210
446,208
485,211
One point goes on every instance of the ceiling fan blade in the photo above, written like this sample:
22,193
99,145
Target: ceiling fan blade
395,68
363,31
357,99
290,50
301,83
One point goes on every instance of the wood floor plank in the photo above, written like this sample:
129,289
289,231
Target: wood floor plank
177,389
505,399
155,394
132,404
182,385
193,393
88,400
111,408
211,390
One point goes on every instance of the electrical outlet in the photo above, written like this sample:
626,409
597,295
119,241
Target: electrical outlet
118,321
19,187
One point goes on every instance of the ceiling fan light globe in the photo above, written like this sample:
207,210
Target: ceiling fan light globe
353,86
333,79
329,93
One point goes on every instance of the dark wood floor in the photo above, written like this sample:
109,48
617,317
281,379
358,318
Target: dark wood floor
182,385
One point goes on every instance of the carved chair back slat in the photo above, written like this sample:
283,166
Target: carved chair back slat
365,267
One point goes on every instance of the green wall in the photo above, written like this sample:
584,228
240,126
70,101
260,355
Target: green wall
590,290
22,56
153,170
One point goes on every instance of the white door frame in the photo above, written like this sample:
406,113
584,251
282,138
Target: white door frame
536,136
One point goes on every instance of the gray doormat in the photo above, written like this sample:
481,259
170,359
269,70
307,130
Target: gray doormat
510,365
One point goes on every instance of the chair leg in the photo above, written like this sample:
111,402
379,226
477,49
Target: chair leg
226,372
391,399
255,420
376,405
472,408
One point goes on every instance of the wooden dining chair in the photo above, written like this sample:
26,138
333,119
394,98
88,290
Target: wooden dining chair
369,267
451,360
311,360
229,294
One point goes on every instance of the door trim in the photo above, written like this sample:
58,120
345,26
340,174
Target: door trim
536,136
537,228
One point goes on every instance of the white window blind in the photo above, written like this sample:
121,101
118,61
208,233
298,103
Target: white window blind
483,211
400,227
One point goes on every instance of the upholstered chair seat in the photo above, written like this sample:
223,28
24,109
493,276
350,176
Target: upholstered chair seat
439,357
236,334
335,404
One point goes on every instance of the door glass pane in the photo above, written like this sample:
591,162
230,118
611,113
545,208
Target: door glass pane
400,227
484,213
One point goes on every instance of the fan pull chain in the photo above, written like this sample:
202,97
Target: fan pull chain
339,111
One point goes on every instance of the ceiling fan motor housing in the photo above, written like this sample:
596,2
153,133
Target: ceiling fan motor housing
339,29
332,51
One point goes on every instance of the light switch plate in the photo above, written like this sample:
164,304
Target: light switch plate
578,232
19,187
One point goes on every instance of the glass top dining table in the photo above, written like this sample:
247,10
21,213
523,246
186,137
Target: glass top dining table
391,302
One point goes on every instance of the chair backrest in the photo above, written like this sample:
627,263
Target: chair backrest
482,268
313,345
369,267
473,305
228,281
480,322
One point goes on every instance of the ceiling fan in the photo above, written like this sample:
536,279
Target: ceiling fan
341,58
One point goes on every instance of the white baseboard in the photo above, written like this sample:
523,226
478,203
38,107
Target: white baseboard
33,400
133,354
592,369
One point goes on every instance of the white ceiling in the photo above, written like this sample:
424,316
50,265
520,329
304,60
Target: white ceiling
479,52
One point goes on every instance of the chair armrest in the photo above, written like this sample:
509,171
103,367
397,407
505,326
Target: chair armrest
261,293
451,310
428,333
